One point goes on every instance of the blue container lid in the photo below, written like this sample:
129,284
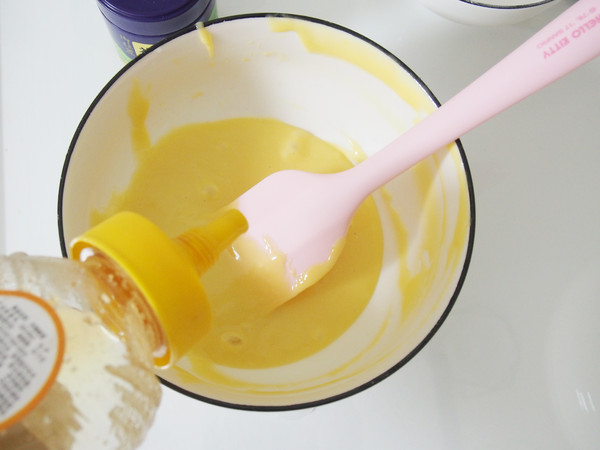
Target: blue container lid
152,17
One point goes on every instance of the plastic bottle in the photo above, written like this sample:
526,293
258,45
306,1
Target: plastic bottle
80,338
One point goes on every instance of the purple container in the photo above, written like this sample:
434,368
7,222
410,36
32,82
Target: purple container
136,25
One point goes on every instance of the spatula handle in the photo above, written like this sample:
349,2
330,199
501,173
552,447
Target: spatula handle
568,42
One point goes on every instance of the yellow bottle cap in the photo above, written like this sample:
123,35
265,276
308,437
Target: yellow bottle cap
166,271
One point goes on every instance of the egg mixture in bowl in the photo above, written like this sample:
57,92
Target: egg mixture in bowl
182,131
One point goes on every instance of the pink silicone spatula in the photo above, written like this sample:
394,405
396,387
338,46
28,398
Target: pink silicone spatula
304,215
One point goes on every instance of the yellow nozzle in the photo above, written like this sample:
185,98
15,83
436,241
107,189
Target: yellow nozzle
204,244
167,271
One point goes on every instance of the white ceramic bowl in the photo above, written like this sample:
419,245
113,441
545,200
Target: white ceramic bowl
344,89
488,12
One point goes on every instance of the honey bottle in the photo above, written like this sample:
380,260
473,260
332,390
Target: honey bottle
82,338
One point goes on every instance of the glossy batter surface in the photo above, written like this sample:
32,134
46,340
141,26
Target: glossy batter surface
189,174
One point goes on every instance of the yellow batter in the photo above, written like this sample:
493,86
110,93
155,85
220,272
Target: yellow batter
191,173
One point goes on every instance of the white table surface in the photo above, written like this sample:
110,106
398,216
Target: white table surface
515,366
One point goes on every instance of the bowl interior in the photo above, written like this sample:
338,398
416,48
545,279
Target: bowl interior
341,88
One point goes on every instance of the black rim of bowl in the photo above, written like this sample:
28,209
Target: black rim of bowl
469,250
495,6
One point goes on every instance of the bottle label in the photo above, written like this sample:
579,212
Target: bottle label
139,47
32,343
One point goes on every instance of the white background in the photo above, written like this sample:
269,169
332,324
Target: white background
516,365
